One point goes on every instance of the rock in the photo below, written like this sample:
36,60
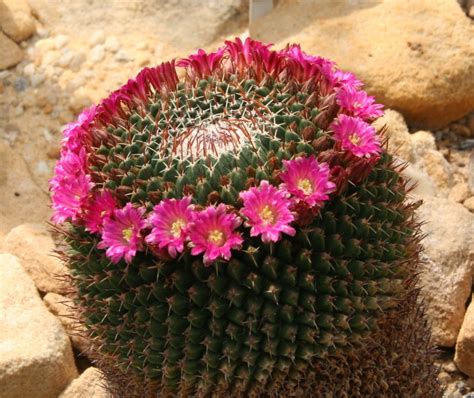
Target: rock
470,123
33,244
469,203
11,53
16,20
438,168
97,53
422,183
122,56
421,143
460,129
112,44
464,356
20,84
36,358
60,41
63,308
403,62
446,278
90,384
399,142
22,200
459,193
97,37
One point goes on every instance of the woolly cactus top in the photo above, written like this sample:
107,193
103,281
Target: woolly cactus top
251,142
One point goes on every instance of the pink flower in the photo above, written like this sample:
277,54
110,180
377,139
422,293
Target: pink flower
358,103
69,197
307,180
212,233
267,210
203,63
99,208
170,220
121,234
74,133
356,136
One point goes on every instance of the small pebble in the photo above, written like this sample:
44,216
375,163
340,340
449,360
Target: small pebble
66,58
37,79
19,110
60,41
122,56
29,69
112,44
42,167
469,203
53,152
20,84
97,37
97,53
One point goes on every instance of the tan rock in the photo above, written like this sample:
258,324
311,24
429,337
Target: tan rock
421,182
421,143
22,200
446,279
16,20
464,356
90,384
459,193
423,70
11,53
36,358
399,142
33,244
469,203
63,308
438,168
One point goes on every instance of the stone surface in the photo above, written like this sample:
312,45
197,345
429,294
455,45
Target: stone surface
464,356
36,358
16,20
424,70
469,203
438,168
421,182
62,307
89,384
33,244
399,142
421,143
459,193
446,279
11,52
22,200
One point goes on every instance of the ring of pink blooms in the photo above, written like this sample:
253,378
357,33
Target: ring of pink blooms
174,225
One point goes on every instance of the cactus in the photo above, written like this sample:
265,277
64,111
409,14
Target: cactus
236,227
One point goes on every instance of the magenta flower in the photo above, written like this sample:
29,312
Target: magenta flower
267,211
170,220
212,233
358,103
356,136
98,209
121,235
74,133
307,180
69,197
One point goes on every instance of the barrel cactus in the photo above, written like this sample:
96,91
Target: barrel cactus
234,227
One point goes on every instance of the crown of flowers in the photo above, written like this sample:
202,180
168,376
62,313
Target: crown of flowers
179,225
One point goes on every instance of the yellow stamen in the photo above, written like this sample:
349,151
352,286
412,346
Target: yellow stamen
216,237
354,138
267,216
127,234
306,186
176,227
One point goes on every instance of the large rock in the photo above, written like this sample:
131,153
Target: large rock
414,56
446,278
63,308
22,200
11,54
16,20
464,356
36,358
90,384
33,244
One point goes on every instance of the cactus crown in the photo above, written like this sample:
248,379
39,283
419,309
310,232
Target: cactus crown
230,227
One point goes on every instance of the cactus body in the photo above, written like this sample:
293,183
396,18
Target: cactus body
262,277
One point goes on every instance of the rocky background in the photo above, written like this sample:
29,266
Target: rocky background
56,57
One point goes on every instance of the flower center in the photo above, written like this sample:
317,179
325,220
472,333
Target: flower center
176,227
127,234
267,216
354,139
216,237
305,185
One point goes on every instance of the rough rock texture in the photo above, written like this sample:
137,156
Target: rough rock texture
11,54
33,244
424,69
438,168
423,183
464,356
21,198
90,384
16,20
469,203
447,277
36,359
62,307
459,193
